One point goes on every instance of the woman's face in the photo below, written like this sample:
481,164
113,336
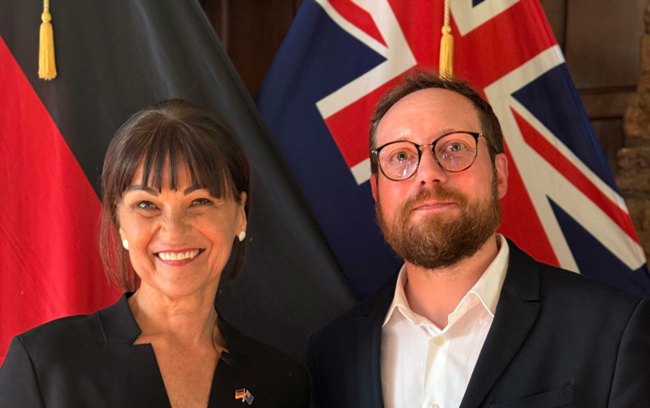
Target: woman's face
179,240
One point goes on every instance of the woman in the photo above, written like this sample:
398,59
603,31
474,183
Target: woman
175,194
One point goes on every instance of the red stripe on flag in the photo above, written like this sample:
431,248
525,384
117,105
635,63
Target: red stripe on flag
421,22
505,43
358,17
50,265
513,35
575,176
350,127
520,219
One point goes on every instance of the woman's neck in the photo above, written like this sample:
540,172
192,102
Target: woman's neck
186,320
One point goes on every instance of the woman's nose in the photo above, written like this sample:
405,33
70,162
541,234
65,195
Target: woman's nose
174,226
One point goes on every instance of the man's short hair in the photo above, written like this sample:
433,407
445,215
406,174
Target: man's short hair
424,80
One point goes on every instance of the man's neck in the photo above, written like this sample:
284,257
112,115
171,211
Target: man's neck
435,293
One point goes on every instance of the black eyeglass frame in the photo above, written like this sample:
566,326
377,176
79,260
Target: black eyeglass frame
476,135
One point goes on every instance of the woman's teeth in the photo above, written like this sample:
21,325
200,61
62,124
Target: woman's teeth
178,256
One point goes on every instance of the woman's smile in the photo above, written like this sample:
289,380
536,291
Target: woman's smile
179,257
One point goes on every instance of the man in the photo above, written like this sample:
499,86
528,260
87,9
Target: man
471,320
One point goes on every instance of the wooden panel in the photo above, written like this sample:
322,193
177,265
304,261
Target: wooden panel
555,11
602,42
606,105
256,30
217,12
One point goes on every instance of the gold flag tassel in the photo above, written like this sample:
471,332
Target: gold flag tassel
446,47
46,62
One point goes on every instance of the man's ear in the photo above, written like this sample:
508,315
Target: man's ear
501,164
373,186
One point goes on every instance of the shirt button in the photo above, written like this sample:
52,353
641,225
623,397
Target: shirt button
438,341
434,406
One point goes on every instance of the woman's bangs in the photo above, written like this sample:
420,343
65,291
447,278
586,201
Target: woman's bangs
170,148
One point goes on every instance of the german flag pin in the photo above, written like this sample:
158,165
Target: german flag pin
244,395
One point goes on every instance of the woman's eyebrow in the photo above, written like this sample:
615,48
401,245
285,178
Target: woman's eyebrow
192,188
143,188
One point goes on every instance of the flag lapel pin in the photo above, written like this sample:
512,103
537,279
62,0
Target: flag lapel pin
244,395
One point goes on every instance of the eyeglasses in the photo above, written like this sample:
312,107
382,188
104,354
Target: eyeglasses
454,152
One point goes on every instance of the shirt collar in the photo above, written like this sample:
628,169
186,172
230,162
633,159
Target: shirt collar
487,289
399,299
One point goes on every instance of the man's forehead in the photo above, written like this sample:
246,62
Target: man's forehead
433,110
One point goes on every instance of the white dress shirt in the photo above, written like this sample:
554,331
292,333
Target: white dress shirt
423,366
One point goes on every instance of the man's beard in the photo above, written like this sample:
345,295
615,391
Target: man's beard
441,240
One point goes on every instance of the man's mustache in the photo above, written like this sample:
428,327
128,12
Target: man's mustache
439,193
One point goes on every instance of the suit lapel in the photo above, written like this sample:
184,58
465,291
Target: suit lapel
232,371
515,314
368,351
139,382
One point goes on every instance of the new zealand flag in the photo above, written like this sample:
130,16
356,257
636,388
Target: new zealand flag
340,56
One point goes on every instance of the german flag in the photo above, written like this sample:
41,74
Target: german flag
112,59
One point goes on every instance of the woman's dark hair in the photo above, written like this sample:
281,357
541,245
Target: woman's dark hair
167,132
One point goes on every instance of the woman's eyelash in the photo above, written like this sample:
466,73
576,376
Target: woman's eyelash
148,205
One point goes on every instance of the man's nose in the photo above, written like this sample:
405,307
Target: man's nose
429,171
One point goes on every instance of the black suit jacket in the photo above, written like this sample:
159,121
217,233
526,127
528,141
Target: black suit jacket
91,361
558,339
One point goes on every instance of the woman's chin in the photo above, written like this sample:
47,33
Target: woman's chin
173,289
181,282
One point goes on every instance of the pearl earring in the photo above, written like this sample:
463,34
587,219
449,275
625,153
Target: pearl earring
125,244
241,236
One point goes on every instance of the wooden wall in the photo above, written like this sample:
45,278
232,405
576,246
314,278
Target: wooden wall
251,31
600,40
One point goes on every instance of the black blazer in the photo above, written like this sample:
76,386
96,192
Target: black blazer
91,361
558,339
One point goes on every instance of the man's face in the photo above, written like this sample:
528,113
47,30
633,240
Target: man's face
437,218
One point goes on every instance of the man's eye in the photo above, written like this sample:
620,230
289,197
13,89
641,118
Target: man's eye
146,205
455,147
401,157
201,201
